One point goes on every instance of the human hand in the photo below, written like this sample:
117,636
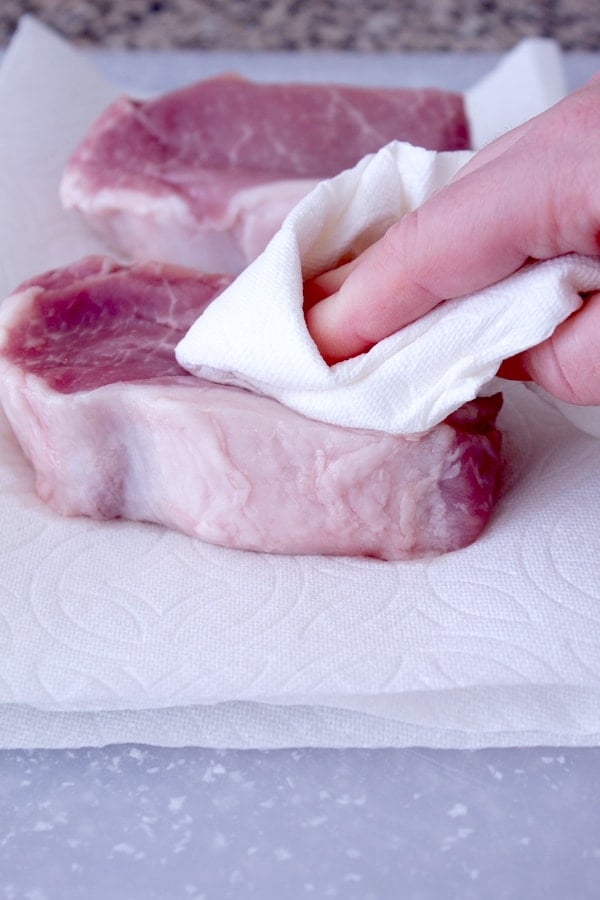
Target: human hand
534,193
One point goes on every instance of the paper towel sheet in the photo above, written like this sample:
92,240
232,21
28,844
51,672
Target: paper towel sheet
117,631
254,334
250,725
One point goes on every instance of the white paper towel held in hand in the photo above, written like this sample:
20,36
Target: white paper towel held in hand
255,335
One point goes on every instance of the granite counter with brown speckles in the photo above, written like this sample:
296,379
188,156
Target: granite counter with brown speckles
359,25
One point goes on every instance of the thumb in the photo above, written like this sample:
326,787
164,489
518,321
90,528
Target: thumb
567,364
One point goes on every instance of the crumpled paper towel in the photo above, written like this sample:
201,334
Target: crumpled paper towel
128,632
254,334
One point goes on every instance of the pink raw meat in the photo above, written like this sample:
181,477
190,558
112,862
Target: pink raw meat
115,428
204,176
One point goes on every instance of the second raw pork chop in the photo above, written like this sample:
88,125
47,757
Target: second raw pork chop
115,428
205,175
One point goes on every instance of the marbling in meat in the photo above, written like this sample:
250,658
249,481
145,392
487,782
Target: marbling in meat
204,176
114,428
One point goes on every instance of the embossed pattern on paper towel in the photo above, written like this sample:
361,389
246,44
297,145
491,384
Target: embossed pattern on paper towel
115,616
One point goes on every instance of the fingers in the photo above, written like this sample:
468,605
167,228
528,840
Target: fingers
326,284
567,365
533,193
451,246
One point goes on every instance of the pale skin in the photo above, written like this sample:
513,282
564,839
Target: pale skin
532,194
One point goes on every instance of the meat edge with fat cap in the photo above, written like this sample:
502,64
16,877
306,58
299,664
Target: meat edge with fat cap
204,175
215,462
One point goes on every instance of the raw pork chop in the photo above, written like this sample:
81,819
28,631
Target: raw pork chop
204,176
114,427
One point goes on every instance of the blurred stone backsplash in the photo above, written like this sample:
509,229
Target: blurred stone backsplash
364,25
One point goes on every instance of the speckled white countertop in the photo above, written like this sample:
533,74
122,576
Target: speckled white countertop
141,823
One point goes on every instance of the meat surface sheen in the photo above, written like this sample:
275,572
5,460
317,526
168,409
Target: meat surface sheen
114,428
204,175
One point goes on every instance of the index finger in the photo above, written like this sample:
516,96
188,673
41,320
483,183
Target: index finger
529,196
